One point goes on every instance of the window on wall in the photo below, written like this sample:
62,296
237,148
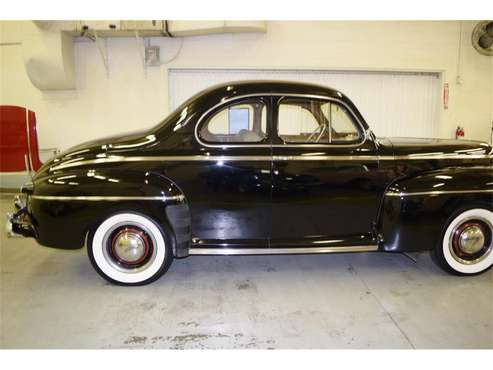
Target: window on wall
308,121
244,122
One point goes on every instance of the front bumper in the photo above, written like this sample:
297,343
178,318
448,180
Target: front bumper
19,223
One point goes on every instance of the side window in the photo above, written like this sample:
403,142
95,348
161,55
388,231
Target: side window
343,128
309,121
244,122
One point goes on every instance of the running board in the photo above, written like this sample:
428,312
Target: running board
313,250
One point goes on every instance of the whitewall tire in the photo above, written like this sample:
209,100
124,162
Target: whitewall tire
129,249
467,243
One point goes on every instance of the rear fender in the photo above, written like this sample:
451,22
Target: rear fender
415,210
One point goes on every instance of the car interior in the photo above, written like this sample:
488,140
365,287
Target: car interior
301,121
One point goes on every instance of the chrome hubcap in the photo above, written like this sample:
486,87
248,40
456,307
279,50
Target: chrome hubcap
472,239
129,246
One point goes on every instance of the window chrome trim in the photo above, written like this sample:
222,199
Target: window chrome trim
293,250
97,198
435,192
364,131
256,144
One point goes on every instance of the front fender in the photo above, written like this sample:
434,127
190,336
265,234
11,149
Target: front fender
415,209
66,205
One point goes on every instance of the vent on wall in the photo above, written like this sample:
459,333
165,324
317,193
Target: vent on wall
48,49
482,38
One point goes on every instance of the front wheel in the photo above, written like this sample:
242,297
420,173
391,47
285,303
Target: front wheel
467,243
129,249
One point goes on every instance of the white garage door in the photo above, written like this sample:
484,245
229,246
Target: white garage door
393,103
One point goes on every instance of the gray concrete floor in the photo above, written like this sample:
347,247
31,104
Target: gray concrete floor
53,299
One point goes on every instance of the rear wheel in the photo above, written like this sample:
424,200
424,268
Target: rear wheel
129,249
467,243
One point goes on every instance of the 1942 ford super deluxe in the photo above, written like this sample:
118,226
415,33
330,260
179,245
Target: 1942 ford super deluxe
262,167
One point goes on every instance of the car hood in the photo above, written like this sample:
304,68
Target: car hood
125,141
435,147
115,145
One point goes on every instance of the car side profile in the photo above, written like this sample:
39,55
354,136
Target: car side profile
262,167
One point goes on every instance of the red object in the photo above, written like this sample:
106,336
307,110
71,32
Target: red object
14,141
459,132
445,95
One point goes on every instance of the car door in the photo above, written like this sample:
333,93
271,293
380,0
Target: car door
325,190
230,195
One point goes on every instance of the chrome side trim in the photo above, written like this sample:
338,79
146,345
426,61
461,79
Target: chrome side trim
97,198
183,158
433,157
324,157
436,192
253,158
307,250
211,158
364,132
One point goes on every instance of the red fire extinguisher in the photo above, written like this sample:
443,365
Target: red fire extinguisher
459,132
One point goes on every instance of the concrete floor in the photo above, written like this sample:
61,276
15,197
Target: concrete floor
53,299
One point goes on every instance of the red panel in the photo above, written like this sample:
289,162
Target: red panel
13,139
33,136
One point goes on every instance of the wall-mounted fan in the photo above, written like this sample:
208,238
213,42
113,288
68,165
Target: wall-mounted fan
482,38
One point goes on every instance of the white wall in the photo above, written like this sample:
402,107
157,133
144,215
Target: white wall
131,100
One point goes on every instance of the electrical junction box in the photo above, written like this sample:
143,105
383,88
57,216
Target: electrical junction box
152,56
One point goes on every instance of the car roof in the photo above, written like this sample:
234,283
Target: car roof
223,92
270,86
217,95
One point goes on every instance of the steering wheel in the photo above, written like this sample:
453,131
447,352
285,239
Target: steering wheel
313,133
322,128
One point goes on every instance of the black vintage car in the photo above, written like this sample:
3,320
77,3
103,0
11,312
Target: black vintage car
262,167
